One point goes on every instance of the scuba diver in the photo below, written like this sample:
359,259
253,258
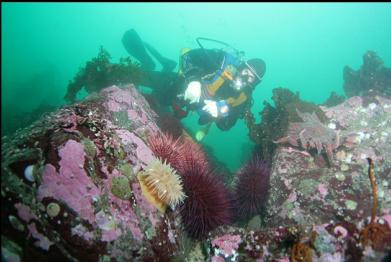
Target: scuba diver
216,83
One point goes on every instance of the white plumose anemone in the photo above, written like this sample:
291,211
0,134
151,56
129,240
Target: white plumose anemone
161,184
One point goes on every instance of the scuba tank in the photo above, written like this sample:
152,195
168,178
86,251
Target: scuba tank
234,56
239,55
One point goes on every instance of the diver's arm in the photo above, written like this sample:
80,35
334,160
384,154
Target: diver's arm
240,97
236,101
226,123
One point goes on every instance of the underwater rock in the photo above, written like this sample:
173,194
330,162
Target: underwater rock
340,190
85,202
333,241
322,212
82,200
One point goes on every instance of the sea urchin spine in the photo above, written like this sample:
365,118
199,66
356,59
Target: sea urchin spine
207,205
251,188
165,147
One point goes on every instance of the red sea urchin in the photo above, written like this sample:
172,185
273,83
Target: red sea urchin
170,124
251,188
182,153
207,205
191,156
165,147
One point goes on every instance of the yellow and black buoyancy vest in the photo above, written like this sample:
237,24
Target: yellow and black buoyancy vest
225,73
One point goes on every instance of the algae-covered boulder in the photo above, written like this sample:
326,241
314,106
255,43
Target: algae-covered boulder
69,185
320,210
306,187
71,190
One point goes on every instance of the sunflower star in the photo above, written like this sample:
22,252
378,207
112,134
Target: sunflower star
312,133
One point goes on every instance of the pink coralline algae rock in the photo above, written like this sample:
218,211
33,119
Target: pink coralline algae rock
143,152
113,106
82,232
387,218
217,259
86,203
121,217
227,243
311,133
71,184
341,190
133,104
108,225
146,208
24,212
341,230
118,98
124,216
323,190
72,120
42,241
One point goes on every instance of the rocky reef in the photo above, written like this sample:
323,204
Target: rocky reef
74,182
69,186
305,189
321,210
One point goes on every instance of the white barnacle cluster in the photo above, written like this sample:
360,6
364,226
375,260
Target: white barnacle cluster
228,257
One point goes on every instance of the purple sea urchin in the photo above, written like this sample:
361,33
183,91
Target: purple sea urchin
207,204
191,156
251,188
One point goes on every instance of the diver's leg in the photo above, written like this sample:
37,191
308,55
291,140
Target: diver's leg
202,132
168,64
165,85
226,123
204,119
135,47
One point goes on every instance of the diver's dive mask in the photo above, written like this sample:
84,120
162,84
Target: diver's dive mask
243,79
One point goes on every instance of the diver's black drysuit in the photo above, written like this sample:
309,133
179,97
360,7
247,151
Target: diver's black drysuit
211,67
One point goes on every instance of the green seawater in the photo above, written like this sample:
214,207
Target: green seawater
305,47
